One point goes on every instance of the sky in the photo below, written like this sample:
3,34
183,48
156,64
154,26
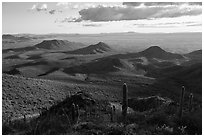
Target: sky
106,17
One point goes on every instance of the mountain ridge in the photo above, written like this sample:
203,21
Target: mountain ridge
92,49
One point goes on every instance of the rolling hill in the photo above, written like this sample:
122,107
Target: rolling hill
195,55
175,77
190,76
157,52
58,45
194,58
92,49
153,52
103,65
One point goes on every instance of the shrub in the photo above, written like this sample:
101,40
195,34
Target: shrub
157,118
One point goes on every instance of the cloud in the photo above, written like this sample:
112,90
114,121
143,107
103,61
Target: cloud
76,5
198,24
52,12
39,7
101,13
155,26
92,25
167,24
86,5
160,3
62,3
69,19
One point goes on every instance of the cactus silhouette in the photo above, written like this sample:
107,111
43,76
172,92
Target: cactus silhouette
190,102
24,118
77,113
112,113
181,102
73,112
125,102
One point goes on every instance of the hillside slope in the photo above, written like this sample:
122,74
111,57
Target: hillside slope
92,49
157,52
58,44
99,66
23,96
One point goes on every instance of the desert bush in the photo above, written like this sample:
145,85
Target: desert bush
52,125
15,127
192,122
115,129
164,130
158,118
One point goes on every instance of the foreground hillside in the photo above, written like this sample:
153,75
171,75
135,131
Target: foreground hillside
31,104
23,96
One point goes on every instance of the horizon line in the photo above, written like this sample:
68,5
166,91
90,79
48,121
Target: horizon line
98,33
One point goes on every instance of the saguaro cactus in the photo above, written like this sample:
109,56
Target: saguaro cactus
125,102
112,113
190,102
73,111
181,102
24,118
77,113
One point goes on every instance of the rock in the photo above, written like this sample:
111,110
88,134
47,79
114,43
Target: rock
148,103
83,99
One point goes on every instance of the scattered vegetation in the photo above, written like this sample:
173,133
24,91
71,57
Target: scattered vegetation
82,114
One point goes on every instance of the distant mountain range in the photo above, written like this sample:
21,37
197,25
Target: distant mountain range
49,45
11,37
153,61
153,52
158,62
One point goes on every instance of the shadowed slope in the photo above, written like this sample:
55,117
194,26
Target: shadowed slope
103,65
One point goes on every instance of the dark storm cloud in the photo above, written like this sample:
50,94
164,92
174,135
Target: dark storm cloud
102,13
159,3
